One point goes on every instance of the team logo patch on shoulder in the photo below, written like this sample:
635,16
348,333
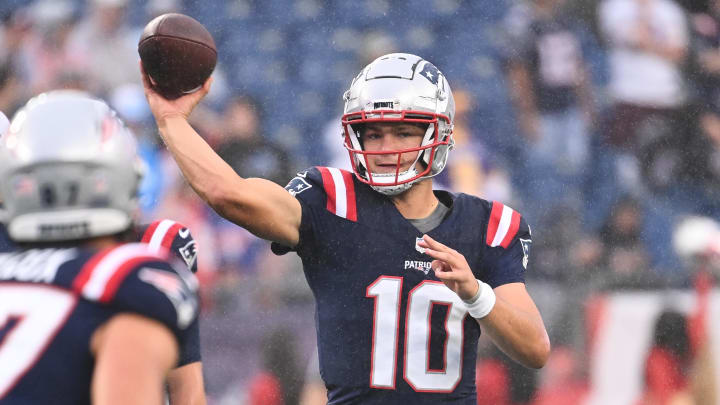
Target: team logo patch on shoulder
189,253
297,185
526,251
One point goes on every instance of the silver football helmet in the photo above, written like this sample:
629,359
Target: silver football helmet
69,170
400,87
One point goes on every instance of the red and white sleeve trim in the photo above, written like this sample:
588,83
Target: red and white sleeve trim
340,191
160,234
503,225
101,277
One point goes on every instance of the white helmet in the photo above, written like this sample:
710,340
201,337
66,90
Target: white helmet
69,170
400,87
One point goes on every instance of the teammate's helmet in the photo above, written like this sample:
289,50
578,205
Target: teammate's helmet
400,87
69,170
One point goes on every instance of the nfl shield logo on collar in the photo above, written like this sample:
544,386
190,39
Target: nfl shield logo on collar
417,246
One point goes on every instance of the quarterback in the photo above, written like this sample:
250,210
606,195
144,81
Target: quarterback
405,277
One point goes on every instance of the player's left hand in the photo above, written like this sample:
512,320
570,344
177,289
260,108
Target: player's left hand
451,267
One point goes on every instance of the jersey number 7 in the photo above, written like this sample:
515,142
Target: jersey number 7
386,290
30,316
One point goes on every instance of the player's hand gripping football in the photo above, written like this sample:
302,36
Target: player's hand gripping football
163,108
451,267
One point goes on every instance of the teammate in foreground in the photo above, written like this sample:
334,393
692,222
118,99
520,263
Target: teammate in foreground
82,317
398,270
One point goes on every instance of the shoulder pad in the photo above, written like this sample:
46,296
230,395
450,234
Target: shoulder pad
134,277
334,188
503,225
171,236
102,275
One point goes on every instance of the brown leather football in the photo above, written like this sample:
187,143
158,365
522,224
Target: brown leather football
178,54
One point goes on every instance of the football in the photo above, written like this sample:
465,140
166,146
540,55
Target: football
178,54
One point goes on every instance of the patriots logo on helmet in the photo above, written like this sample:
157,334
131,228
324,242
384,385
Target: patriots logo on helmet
430,72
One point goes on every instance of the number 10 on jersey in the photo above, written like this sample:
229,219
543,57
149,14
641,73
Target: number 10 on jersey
386,291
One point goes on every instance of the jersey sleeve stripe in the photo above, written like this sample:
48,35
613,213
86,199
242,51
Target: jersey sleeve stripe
329,188
84,274
503,225
111,263
149,231
119,276
493,222
350,187
170,236
512,230
340,192
158,236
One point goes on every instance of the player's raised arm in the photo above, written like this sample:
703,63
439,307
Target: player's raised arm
258,205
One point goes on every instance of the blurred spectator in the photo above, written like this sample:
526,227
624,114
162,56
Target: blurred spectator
676,373
11,94
108,45
626,256
561,381
549,84
493,385
15,28
702,152
46,54
281,379
501,381
648,42
706,52
245,148
551,260
472,169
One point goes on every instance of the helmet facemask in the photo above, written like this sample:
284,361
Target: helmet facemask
399,88
431,153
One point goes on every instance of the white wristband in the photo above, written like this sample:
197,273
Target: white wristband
482,303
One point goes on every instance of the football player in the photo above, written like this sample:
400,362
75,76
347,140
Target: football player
185,383
83,317
405,277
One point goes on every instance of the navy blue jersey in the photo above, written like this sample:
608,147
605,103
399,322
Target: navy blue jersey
175,238
388,330
53,300
6,245
163,235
